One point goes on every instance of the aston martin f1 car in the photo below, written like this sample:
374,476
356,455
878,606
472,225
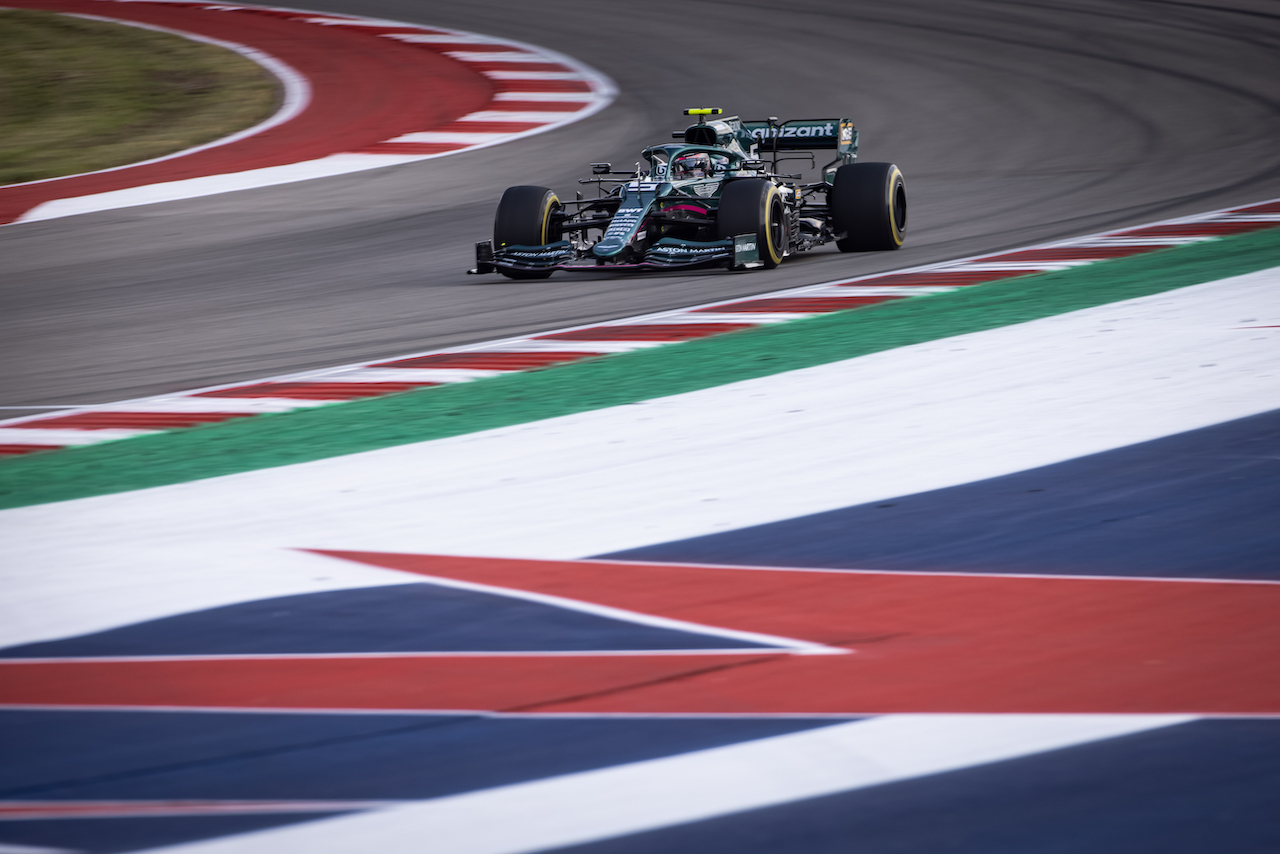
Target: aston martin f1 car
713,198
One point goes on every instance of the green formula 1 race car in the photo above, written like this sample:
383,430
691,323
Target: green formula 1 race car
714,198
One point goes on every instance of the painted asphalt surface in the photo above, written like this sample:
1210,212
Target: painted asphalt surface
1167,784
1169,700
1200,504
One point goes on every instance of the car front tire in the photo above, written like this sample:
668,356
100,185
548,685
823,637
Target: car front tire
754,206
525,218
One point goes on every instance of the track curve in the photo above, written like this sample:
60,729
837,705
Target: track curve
1014,123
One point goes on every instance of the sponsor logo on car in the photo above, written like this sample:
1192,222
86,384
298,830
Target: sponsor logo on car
796,131
623,221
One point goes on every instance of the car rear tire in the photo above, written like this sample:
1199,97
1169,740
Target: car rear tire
526,218
754,206
869,204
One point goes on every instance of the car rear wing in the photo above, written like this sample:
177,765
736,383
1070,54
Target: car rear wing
805,135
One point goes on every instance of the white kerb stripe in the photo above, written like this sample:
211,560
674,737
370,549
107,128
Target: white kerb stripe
439,38
406,375
585,97
534,75
507,56
626,799
463,138
514,116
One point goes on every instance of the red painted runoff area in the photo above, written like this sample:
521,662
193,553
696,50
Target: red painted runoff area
915,643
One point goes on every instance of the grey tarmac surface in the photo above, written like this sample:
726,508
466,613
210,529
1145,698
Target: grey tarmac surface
1014,122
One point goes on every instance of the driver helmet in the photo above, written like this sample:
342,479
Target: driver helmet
694,165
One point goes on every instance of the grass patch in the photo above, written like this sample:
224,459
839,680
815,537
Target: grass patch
347,428
78,95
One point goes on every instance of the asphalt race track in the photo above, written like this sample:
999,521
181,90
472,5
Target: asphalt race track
1014,122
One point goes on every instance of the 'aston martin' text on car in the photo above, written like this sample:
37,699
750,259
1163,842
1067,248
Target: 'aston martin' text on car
713,198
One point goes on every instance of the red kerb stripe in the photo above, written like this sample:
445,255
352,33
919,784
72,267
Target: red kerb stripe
487,361
15,450
470,47
488,127
540,106
937,278
806,305
315,391
1073,253
649,332
412,147
541,85
1268,208
1197,229
535,63
109,420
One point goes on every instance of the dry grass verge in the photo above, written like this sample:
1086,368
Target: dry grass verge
78,95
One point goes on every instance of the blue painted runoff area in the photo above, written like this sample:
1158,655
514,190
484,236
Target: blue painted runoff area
1206,786
1201,504
123,755
112,835
415,617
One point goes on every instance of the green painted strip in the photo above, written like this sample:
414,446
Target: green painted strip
348,428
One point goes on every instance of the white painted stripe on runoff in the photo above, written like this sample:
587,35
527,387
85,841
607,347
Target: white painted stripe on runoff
933,415
748,652
626,616
9,848
595,805
123,580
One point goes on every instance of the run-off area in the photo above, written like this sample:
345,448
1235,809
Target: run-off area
1098,443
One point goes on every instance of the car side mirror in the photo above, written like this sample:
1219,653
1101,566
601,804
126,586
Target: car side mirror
753,164
601,168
